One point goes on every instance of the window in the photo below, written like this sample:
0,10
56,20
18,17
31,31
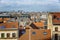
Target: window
45,27
56,37
33,33
13,34
56,28
54,16
2,35
23,32
45,23
45,33
58,18
8,35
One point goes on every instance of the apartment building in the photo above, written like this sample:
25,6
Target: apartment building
35,16
8,29
8,32
24,19
54,25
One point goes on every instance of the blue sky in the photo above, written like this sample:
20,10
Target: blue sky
30,5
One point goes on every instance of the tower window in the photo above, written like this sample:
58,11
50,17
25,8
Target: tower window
56,28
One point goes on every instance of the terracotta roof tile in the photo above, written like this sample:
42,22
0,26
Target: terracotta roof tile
10,25
56,20
39,24
6,19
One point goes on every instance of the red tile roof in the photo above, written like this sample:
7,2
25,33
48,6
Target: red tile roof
5,19
56,20
10,25
39,24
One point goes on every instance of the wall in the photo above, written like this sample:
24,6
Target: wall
9,31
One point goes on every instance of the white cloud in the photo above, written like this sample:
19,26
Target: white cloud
29,2
32,2
42,4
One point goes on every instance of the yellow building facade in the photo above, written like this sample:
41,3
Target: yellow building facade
54,25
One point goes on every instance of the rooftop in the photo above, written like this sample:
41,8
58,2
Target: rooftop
9,25
37,25
56,18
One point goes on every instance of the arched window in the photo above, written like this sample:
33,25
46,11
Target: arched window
2,35
14,35
8,35
56,37
56,28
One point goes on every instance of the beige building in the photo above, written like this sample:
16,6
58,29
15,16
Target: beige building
9,34
8,30
54,25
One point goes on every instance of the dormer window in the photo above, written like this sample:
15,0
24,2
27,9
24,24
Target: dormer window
23,31
33,33
45,27
45,33
54,17
58,18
